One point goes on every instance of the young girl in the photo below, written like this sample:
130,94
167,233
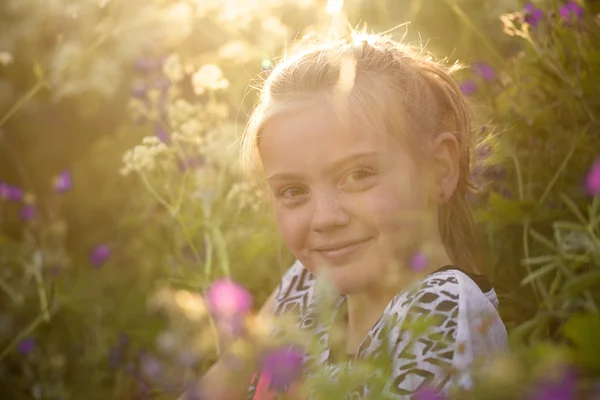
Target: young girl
365,145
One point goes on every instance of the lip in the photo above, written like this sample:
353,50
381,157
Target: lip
339,251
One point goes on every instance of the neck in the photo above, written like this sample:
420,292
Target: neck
365,308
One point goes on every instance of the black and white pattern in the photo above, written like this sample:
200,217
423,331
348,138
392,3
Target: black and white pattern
464,325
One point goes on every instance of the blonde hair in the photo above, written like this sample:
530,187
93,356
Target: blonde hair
394,88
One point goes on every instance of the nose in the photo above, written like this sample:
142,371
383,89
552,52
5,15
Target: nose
329,212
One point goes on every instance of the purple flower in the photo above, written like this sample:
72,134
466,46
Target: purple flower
533,15
8,192
161,83
150,366
63,182
28,212
468,87
593,179
419,262
26,345
428,393
570,12
161,133
226,298
138,89
99,255
144,65
283,366
484,70
193,162
562,387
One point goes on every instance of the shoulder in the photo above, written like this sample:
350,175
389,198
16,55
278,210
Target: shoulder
454,310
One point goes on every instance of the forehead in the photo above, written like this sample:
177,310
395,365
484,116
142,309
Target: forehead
317,136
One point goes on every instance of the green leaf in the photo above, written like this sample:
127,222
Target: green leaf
583,282
538,273
573,207
583,331
542,239
538,260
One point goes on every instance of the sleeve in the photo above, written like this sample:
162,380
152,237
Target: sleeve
481,333
444,313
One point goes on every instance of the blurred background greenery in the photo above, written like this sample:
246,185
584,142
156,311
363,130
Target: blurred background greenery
106,238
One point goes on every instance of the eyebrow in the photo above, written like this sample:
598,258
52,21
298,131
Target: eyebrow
335,166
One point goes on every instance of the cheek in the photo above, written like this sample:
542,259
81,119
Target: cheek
293,227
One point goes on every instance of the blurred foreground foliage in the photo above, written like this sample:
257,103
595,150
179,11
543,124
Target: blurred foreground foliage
121,200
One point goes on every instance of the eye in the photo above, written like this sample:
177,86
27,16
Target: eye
292,192
357,176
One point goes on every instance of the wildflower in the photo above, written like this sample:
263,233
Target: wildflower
533,15
138,89
192,163
209,77
283,366
161,83
161,133
63,182
144,65
150,366
99,255
468,87
28,212
484,70
26,345
561,387
427,393
419,262
8,192
593,179
571,11
226,298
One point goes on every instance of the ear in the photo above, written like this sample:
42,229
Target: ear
446,158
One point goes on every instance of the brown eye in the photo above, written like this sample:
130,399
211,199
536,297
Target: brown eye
357,176
293,192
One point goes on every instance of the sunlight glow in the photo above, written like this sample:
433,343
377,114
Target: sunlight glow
334,7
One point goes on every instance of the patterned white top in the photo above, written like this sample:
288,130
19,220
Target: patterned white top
468,327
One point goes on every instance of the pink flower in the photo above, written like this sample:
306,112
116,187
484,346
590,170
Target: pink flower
419,262
227,299
533,15
28,212
99,255
570,12
283,366
468,87
484,70
593,179
63,182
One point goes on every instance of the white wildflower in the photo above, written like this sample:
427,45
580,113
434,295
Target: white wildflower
209,77
180,111
143,157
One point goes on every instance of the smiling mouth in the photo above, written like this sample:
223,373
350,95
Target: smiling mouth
340,251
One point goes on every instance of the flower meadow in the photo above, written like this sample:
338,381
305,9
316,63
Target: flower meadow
132,250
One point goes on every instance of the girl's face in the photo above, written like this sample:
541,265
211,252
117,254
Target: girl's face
351,201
